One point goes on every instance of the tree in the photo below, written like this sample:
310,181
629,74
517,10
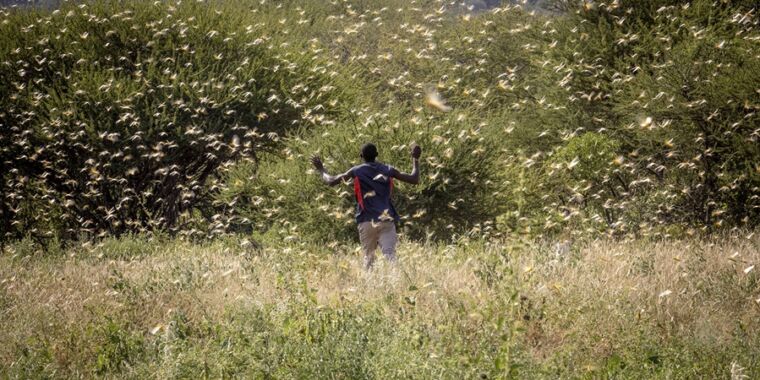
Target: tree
676,83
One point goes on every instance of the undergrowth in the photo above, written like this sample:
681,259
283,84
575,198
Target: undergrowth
140,307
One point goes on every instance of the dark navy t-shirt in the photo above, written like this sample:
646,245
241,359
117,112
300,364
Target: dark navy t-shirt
373,186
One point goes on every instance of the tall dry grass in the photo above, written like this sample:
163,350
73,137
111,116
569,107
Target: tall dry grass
661,309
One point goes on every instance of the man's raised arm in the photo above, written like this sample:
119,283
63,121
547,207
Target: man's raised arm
331,180
414,177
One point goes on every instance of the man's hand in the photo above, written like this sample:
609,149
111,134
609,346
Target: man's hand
331,180
416,151
413,177
317,162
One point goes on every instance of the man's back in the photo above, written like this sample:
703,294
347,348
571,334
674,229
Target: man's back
373,185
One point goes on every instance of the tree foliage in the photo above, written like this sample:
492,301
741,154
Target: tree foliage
116,118
677,84
618,117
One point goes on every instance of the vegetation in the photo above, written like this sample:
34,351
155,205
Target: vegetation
136,307
158,214
196,119
115,121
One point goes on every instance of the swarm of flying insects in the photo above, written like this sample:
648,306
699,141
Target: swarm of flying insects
121,118
543,118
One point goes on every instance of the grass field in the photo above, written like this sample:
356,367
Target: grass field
638,120
135,308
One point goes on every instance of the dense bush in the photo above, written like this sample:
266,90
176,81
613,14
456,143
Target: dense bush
676,83
115,116
118,119
460,173
674,86
495,89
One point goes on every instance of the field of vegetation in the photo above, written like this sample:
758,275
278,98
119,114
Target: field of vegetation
136,308
589,194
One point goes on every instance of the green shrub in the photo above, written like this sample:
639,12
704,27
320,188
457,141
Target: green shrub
458,188
582,176
116,115
679,103
119,347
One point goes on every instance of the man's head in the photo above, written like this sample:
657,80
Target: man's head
369,152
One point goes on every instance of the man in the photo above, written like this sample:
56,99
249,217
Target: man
373,184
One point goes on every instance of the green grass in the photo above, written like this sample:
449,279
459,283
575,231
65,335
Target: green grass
547,138
136,308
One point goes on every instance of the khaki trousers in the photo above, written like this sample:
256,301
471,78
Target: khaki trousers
372,234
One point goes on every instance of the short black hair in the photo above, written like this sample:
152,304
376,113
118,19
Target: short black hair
369,152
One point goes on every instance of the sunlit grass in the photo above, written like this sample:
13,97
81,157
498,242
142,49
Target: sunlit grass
132,307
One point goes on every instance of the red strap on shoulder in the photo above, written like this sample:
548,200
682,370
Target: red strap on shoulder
391,180
358,192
